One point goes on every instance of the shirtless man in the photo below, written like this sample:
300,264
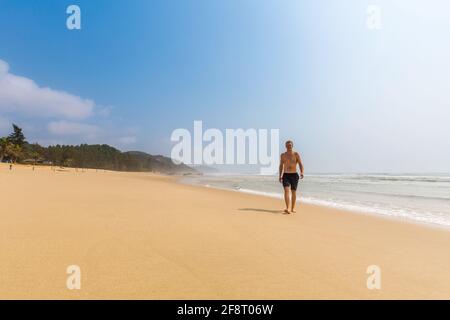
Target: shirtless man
288,174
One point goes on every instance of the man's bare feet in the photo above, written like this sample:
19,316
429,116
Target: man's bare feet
293,211
286,211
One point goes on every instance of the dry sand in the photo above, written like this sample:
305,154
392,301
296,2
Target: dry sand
138,235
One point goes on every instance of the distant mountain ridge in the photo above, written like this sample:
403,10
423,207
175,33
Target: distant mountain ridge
15,148
158,163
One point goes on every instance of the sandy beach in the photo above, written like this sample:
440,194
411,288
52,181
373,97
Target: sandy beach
144,236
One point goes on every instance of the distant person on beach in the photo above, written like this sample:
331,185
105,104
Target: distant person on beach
288,174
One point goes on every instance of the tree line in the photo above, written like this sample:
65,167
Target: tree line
15,149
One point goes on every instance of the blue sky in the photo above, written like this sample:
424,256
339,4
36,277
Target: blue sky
351,98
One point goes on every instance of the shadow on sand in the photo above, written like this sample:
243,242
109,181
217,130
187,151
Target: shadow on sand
262,210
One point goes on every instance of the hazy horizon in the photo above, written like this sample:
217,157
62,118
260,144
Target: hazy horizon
233,170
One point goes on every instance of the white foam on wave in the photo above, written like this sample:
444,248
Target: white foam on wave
411,199
422,217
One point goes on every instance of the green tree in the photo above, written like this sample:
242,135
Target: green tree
33,151
3,148
17,137
35,156
14,152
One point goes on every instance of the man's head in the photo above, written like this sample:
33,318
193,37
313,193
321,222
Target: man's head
289,145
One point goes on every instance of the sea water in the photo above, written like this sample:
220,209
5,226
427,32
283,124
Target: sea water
422,198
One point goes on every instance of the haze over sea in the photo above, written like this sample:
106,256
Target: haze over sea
422,198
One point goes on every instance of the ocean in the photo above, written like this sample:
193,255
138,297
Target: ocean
421,198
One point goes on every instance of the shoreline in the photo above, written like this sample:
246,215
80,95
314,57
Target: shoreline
147,236
177,178
357,210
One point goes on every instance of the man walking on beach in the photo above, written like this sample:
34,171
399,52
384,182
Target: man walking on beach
288,174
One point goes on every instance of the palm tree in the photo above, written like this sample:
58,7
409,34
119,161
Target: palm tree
13,151
35,157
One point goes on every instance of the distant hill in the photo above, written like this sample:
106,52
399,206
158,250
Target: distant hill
101,157
96,156
142,161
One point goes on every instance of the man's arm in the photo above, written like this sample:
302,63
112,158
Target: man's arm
300,164
280,168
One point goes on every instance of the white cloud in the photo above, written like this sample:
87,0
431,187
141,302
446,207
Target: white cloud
22,98
104,111
67,128
4,67
23,95
127,140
